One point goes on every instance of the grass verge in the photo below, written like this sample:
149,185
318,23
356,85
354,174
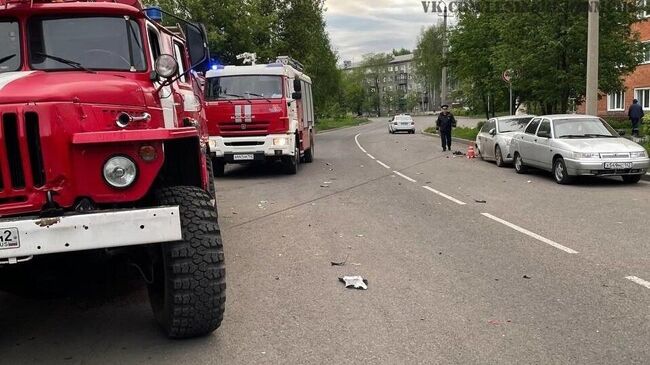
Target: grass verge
460,132
332,123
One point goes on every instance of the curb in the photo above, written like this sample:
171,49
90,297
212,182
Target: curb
645,177
455,139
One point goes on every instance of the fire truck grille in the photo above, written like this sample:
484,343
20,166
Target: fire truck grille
21,162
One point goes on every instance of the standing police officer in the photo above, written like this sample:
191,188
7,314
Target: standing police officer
444,124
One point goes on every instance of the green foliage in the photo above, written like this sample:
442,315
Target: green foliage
547,49
400,52
372,69
339,122
269,28
428,56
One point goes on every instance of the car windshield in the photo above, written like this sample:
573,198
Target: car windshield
244,87
583,128
513,125
9,46
95,43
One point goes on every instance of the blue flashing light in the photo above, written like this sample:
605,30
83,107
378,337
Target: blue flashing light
154,13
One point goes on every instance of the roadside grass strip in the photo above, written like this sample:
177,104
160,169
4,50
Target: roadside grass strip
530,234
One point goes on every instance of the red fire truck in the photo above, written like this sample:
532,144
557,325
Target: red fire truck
104,148
260,112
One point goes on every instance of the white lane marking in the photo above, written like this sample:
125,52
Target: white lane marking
444,195
404,176
639,281
356,139
531,234
383,164
371,156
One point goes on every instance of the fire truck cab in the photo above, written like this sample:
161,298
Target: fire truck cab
260,112
103,149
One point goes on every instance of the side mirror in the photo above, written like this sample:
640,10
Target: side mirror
543,134
296,96
621,132
493,132
197,45
297,85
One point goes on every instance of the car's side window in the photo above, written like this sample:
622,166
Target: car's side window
545,127
532,127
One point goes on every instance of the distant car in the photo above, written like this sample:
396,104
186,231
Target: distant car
575,145
494,140
401,123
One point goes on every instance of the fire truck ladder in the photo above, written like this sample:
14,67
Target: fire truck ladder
288,61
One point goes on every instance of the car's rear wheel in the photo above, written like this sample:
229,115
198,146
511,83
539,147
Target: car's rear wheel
520,168
309,153
631,179
498,157
560,172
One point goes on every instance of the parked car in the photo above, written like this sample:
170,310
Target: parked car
576,145
494,140
401,123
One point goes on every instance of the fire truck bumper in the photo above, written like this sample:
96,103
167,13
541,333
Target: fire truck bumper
241,149
24,238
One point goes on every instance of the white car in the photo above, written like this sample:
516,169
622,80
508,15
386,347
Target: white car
495,138
401,123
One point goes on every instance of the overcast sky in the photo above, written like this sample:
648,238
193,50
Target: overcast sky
357,27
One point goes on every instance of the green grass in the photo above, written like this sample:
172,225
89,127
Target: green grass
331,123
460,132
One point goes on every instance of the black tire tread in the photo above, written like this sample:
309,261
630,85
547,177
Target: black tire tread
195,284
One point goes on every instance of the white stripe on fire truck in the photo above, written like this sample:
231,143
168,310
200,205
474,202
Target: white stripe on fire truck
237,113
248,113
8,77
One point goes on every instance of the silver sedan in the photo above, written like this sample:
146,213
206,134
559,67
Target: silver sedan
494,140
575,145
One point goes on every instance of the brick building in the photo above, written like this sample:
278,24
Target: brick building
637,85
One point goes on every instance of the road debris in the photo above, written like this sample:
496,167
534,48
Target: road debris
356,282
360,235
458,153
340,263
480,201
527,277
324,186
529,181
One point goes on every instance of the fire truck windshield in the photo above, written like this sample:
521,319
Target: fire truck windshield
9,46
248,86
95,43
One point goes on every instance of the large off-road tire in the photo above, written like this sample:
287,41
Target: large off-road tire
309,153
212,188
188,293
291,163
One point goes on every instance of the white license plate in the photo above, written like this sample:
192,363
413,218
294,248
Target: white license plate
618,165
243,157
9,238
405,123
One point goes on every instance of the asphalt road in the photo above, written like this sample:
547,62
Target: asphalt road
539,273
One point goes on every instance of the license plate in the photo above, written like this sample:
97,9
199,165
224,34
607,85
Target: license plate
618,165
405,123
9,238
243,157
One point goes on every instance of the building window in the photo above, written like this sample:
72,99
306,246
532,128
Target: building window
616,102
646,52
643,95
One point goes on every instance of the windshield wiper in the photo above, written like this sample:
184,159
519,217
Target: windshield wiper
594,135
260,96
573,136
237,96
74,64
5,59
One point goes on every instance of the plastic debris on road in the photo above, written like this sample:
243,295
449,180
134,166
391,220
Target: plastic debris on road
340,263
480,201
527,277
354,282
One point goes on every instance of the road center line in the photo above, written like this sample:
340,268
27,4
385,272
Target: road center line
356,139
444,195
371,156
531,234
639,281
383,164
404,176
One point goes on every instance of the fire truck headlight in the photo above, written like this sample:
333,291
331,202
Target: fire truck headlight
166,66
280,141
120,172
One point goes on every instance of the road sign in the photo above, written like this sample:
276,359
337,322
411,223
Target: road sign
507,75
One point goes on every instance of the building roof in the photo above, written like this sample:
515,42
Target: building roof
403,58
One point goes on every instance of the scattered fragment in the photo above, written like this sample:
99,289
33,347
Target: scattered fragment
458,153
341,263
328,164
527,277
494,322
480,201
277,278
361,165
356,282
324,186
529,181
360,235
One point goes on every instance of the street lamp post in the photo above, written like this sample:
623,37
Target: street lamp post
592,57
443,82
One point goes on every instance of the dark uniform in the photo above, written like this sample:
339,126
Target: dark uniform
444,124
636,114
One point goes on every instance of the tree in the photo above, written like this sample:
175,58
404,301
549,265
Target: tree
375,70
546,45
400,52
354,91
428,58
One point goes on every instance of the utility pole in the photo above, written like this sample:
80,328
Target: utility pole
443,82
592,57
